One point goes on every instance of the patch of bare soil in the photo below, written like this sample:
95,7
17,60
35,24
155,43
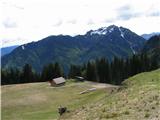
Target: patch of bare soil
94,86
102,85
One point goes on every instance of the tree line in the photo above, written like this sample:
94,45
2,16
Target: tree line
99,70
28,75
114,72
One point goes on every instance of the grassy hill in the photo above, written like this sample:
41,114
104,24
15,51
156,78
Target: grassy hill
138,98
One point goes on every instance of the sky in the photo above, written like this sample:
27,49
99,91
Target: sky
23,21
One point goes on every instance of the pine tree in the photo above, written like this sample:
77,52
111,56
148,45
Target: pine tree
75,70
51,71
57,70
103,70
44,74
48,72
91,71
27,74
4,78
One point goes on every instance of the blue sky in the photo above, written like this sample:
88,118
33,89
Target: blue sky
24,21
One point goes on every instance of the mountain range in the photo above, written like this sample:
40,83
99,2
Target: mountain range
152,48
148,36
7,50
104,42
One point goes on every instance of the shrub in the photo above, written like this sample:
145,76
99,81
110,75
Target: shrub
126,112
147,115
153,107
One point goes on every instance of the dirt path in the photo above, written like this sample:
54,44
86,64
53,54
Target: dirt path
101,85
94,86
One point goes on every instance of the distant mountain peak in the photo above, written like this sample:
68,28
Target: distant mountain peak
7,50
148,36
103,30
108,30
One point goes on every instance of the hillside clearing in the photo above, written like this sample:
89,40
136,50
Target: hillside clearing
39,101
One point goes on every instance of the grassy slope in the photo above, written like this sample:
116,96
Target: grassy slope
138,99
39,101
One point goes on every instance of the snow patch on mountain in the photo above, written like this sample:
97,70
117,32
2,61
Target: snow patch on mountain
104,30
101,31
111,30
23,47
132,49
131,45
122,34
107,30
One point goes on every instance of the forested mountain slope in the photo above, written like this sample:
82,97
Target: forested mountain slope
104,42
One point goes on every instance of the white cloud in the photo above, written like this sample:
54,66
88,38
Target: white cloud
8,23
31,20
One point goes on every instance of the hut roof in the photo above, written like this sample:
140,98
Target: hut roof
79,78
59,80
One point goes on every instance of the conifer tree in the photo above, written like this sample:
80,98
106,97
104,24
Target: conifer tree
75,70
91,71
27,74
57,70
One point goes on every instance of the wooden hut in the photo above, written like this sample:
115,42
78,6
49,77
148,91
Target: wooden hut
57,81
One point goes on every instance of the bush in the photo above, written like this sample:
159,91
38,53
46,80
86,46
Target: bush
147,115
126,112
